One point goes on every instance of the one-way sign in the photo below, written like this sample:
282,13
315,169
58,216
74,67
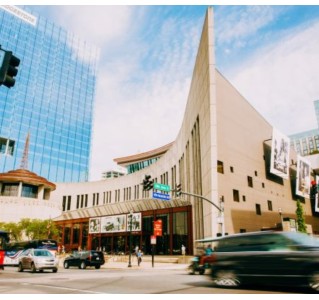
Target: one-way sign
161,196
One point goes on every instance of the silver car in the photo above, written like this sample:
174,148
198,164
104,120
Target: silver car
38,259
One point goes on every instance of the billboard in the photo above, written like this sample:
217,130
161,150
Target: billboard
303,177
279,162
136,222
95,225
113,223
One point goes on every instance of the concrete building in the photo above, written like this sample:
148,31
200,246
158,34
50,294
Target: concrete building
52,99
221,153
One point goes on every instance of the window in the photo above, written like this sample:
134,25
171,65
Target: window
10,189
244,198
269,205
232,169
220,167
256,173
6,146
263,185
250,181
29,191
236,195
258,209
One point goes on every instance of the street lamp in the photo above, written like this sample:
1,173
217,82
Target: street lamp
281,220
221,212
130,240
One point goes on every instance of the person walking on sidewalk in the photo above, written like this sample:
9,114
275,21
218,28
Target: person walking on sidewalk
139,257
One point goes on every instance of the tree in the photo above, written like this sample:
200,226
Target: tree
302,227
29,229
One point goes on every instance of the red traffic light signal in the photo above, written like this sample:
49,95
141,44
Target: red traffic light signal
8,68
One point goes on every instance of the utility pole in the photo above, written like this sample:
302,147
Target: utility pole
220,208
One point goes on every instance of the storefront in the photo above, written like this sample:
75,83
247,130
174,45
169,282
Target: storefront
112,233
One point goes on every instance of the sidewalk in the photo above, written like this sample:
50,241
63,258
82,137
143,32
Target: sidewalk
144,265
160,262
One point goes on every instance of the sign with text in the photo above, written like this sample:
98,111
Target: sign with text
161,187
157,227
153,240
161,196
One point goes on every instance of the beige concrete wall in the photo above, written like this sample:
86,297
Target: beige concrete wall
13,209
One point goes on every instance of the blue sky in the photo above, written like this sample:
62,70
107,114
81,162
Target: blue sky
269,53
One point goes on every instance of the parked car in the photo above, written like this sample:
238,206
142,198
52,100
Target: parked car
269,258
38,259
83,259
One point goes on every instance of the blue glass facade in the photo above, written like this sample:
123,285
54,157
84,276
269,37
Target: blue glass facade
307,142
52,99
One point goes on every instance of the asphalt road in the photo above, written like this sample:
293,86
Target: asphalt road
119,281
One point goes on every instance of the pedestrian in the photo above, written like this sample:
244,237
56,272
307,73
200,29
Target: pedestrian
139,257
208,250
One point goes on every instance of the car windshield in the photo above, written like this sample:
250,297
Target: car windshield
42,253
302,239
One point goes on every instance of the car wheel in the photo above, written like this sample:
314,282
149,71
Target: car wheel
54,270
314,281
226,278
97,267
33,268
66,265
20,268
83,265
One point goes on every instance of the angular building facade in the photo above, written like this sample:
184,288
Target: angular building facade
52,100
221,157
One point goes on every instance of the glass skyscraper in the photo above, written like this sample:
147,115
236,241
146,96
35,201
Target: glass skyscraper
307,142
52,100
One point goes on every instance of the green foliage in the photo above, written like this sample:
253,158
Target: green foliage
29,229
302,227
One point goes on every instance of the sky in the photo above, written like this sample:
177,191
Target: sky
270,53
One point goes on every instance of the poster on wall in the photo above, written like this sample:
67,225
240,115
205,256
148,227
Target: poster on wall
95,225
113,223
303,177
279,162
317,195
136,222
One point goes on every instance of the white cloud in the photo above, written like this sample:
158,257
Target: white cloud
140,103
281,80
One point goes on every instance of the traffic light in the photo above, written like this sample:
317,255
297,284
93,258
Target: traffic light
8,68
147,183
178,190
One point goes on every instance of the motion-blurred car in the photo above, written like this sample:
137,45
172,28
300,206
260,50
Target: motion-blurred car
268,258
38,259
83,259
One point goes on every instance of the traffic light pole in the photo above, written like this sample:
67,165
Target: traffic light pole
220,209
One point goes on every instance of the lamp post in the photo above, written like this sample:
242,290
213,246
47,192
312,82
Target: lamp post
130,240
281,221
222,217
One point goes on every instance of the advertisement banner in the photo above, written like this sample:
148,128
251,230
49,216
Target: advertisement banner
95,225
113,223
303,177
136,222
279,162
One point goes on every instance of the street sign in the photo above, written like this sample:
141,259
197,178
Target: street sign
161,187
161,196
153,239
